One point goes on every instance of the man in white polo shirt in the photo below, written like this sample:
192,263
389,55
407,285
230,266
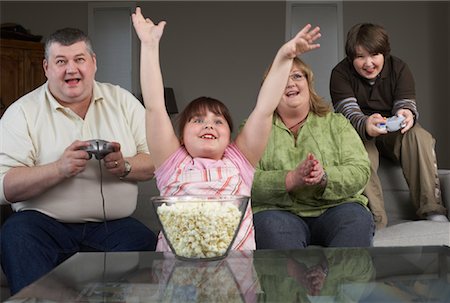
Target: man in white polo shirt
63,201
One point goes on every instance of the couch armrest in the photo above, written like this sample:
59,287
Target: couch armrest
444,178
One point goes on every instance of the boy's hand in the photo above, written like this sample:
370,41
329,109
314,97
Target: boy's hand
372,128
409,119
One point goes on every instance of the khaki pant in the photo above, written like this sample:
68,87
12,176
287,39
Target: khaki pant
415,152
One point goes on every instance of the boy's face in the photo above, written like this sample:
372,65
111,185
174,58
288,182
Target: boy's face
368,65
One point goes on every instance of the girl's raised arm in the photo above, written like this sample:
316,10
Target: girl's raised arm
161,138
254,135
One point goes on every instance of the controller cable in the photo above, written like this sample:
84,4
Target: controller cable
101,188
104,222
101,193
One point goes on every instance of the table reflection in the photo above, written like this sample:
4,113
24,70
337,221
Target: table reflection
168,279
391,274
315,275
227,280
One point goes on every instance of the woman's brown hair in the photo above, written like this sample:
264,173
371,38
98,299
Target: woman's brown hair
317,104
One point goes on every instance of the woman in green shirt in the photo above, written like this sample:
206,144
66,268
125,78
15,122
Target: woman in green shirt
308,185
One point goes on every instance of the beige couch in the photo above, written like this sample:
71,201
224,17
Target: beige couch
403,229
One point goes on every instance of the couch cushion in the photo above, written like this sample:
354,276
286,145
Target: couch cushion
414,233
444,178
145,212
4,289
397,199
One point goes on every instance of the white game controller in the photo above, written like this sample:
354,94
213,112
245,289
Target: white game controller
393,123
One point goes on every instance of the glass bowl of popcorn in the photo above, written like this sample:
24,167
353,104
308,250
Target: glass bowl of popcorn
200,227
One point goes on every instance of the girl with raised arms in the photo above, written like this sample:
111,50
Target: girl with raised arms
204,160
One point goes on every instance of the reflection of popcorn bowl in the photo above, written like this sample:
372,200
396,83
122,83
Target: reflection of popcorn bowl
200,227
202,282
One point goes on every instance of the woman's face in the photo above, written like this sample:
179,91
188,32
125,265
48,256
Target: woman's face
207,136
296,92
368,65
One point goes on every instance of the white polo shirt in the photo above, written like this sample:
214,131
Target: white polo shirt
36,129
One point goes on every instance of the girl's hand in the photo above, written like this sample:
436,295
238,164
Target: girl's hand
146,30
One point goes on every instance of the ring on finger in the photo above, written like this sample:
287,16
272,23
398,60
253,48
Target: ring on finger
116,163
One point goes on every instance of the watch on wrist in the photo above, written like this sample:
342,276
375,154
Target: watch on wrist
127,170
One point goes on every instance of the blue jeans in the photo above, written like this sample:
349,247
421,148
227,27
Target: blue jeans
32,243
345,225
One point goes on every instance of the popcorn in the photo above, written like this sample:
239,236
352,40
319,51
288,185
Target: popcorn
199,229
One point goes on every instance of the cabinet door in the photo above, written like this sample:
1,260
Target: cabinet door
12,81
34,71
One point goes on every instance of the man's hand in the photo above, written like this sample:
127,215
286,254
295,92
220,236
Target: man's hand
73,161
114,162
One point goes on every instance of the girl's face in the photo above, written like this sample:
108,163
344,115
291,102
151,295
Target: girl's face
368,65
206,136
296,92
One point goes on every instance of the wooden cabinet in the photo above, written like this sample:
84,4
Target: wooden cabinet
21,69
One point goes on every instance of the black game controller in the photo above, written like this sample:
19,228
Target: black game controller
98,148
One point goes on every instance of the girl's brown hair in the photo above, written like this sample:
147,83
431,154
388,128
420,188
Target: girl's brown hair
199,107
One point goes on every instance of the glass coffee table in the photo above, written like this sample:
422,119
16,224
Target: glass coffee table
377,274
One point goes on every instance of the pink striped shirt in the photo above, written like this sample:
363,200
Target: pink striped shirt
182,175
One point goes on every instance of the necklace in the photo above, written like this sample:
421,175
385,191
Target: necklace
298,123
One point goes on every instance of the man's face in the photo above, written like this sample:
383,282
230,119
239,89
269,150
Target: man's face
70,71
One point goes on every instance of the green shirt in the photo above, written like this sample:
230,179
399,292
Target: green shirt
335,143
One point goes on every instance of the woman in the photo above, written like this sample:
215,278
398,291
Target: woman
308,185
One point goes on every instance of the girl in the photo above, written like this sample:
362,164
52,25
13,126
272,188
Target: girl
204,161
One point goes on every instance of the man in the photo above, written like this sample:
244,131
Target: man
369,85
64,202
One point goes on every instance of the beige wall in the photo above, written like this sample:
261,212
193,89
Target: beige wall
43,18
221,49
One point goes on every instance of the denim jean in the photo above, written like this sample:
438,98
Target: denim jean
345,225
32,243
